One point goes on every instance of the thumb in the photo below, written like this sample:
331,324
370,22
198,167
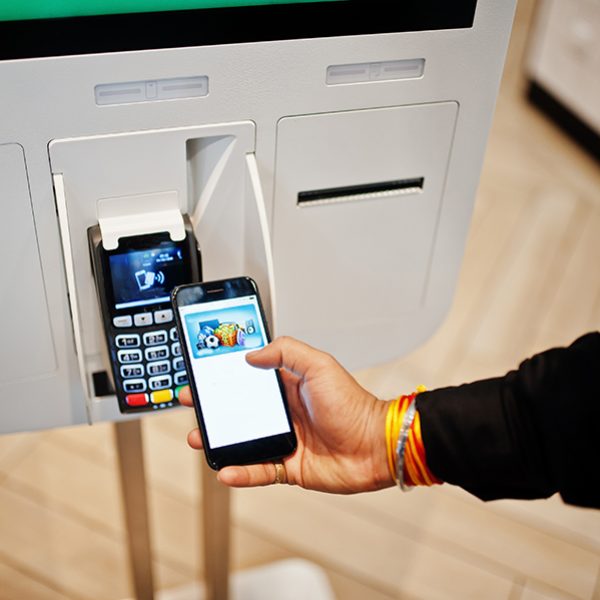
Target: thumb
287,353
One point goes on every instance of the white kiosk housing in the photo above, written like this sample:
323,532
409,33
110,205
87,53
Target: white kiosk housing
331,150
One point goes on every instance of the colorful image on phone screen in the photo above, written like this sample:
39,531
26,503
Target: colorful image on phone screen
224,330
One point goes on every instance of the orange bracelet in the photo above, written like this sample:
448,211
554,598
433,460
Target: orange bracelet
404,443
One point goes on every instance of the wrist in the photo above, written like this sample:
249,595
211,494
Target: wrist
381,471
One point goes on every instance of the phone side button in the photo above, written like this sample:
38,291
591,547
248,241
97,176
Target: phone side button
161,396
136,399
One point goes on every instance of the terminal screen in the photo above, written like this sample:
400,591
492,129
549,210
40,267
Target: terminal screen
144,277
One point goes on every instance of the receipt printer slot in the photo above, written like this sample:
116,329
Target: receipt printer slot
361,192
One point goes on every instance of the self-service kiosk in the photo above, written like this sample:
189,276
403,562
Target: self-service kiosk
331,150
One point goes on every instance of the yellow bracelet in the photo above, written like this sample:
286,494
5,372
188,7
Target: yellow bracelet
397,437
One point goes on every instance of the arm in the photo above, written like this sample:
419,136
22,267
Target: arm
529,434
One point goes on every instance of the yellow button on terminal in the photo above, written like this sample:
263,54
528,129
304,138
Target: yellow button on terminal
161,396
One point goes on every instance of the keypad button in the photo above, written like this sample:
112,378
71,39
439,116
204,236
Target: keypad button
161,396
160,383
129,356
176,349
122,321
157,353
142,319
129,371
174,335
131,340
136,399
178,390
154,338
178,364
132,386
180,378
163,316
159,367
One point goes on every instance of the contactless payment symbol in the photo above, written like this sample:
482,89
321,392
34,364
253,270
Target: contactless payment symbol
146,279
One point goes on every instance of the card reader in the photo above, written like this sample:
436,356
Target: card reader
134,283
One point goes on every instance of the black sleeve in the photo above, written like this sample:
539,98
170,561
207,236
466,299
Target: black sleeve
529,434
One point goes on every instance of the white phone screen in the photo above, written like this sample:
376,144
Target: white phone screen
239,402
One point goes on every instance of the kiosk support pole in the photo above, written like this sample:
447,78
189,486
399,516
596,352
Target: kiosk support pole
128,436
215,535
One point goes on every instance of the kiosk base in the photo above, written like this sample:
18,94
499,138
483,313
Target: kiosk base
291,579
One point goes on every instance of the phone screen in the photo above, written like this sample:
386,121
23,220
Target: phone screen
239,403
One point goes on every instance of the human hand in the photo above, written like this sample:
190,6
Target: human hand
339,425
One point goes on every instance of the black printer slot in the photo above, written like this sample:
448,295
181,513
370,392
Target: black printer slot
366,191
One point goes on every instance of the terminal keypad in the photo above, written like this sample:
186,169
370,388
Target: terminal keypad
149,357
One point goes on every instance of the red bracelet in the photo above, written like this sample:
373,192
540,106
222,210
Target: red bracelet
407,460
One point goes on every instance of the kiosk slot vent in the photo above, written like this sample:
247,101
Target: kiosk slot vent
369,191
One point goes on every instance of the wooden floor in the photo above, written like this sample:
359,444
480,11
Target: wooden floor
530,280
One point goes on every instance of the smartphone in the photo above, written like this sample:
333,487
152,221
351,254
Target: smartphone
134,284
242,411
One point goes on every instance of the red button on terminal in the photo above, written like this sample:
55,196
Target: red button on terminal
137,399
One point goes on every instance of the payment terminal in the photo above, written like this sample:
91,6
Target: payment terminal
134,283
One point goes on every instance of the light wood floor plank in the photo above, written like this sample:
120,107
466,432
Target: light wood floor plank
575,525
70,484
532,591
573,309
313,524
84,563
170,462
448,517
512,298
251,548
14,447
18,585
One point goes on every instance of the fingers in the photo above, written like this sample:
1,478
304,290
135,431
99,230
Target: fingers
288,353
195,440
185,396
249,476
